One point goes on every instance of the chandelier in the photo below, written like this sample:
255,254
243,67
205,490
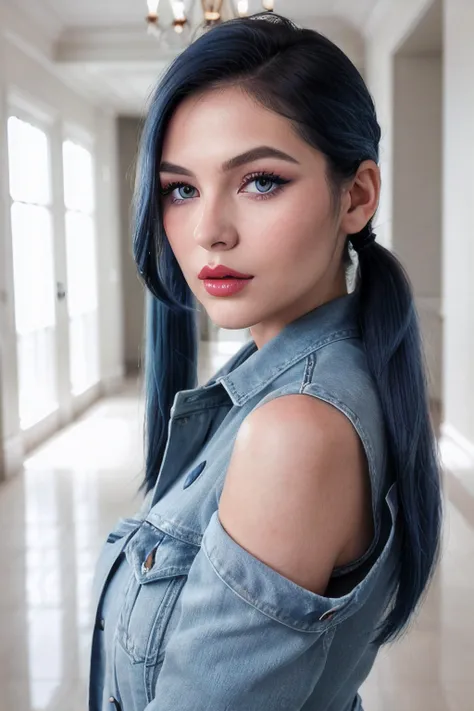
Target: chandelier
179,22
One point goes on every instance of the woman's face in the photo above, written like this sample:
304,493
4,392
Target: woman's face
242,190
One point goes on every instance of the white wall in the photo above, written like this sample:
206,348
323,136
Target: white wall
133,291
417,198
390,26
27,79
458,198
109,254
386,31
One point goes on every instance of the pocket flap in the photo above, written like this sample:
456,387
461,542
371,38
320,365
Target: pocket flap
153,554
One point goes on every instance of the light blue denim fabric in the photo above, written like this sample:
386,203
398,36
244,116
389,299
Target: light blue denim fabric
187,620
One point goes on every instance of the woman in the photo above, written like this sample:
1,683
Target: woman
292,519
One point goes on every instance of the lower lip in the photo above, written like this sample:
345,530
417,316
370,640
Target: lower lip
225,287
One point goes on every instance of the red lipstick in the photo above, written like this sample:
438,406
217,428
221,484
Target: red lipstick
221,272
223,281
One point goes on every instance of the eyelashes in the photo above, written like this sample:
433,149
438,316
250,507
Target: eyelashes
275,180
171,187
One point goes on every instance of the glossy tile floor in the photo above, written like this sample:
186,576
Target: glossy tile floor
54,519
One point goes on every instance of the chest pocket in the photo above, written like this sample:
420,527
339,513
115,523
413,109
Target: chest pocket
159,567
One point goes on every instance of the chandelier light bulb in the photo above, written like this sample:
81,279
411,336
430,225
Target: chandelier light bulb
153,8
181,30
212,10
178,10
243,8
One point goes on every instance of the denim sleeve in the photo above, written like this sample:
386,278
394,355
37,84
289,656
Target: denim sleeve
247,638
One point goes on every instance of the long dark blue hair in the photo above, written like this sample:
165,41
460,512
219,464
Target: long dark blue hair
303,76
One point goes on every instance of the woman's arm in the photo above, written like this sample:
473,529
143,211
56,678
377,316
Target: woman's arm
254,627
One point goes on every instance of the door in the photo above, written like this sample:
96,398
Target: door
81,259
33,269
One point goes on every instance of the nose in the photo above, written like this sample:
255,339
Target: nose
215,229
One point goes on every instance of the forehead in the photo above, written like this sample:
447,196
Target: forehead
226,119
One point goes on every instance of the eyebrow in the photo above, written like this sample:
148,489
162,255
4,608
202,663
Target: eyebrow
236,162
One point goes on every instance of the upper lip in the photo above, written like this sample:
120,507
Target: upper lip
221,271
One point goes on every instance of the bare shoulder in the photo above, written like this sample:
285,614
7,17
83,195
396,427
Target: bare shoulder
297,492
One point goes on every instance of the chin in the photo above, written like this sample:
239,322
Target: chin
231,318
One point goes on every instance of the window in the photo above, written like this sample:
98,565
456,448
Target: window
81,256
33,269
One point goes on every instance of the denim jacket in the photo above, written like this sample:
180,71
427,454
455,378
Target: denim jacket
186,619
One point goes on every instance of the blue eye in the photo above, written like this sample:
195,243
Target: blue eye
264,184
184,190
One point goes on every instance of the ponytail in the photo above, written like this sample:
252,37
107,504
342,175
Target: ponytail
170,366
391,336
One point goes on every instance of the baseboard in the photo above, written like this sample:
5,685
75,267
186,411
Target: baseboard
113,383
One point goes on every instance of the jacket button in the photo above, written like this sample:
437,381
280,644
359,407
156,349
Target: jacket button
329,614
327,617
193,475
149,562
101,624
116,704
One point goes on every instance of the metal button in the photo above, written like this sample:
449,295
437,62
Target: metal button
329,614
193,475
116,704
149,561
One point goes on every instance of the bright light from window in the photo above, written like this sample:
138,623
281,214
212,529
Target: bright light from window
32,267
78,178
81,261
28,160
81,264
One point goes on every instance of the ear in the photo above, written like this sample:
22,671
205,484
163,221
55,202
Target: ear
362,198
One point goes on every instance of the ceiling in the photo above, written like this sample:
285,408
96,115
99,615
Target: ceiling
103,48
90,13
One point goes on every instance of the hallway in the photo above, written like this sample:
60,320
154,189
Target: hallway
57,513
76,80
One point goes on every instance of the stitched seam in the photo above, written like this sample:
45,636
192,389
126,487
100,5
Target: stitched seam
178,532
201,408
309,369
329,397
317,627
346,334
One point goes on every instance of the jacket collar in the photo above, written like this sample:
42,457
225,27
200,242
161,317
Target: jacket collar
250,370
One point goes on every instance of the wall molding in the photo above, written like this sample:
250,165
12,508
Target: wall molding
122,45
131,43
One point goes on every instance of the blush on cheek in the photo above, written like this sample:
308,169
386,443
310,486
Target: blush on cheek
167,221
172,230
